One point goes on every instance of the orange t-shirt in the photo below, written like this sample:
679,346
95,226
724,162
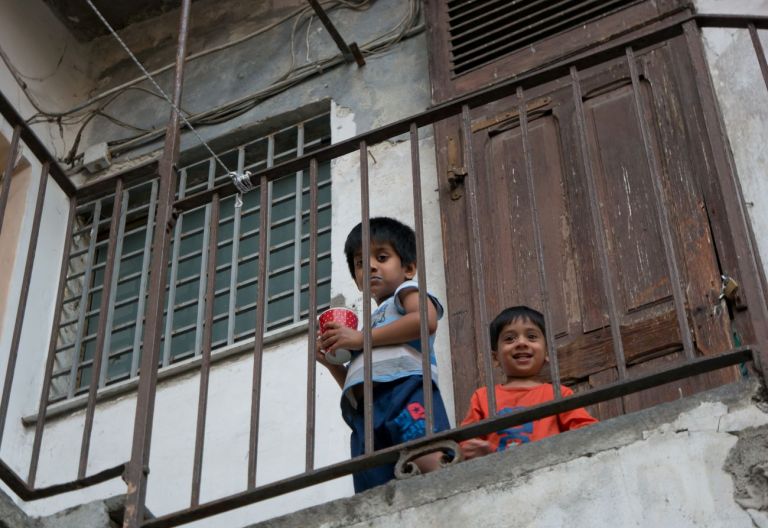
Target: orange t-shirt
509,400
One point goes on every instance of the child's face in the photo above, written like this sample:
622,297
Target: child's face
387,270
521,349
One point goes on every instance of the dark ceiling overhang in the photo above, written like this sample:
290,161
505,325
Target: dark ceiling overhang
85,25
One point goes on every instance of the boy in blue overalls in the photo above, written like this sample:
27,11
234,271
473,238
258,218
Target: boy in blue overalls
398,399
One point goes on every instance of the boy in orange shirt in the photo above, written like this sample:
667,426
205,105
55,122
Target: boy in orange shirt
520,349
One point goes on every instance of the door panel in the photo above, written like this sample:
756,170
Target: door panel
621,170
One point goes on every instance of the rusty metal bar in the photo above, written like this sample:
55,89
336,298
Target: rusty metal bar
23,296
5,187
418,218
42,406
138,467
205,365
208,235
172,280
598,226
297,215
34,144
759,52
351,52
554,364
258,346
365,213
99,352
479,302
662,211
311,317
391,454
26,493
753,287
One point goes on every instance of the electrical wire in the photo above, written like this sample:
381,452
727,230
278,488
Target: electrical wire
154,83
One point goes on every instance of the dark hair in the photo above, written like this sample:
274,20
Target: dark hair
383,230
511,314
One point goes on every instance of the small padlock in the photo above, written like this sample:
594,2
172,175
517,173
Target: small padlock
729,288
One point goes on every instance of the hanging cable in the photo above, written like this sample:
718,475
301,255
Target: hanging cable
154,83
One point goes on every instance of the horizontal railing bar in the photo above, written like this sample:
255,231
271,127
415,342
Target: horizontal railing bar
391,454
731,21
24,492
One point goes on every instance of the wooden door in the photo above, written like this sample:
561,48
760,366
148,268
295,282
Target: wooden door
620,169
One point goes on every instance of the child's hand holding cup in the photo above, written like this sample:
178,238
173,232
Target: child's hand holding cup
345,317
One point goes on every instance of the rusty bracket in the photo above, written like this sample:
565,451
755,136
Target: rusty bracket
351,52
406,468
456,171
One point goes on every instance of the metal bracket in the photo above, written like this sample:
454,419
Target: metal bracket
456,173
351,52
406,468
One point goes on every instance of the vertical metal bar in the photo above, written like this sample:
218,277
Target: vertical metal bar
479,302
100,351
42,406
5,188
599,228
418,220
258,346
735,208
554,365
23,296
204,263
267,230
138,467
366,257
297,229
312,316
174,272
205,366
113,289
143,281
662,211
83,308
235,257
759,52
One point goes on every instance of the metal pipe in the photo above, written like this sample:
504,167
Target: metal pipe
367,338
479,302
42,405
554,364
258,345
598,226
418,218
99,352
138,467
311,317
23,296
759,52
351,52
205,365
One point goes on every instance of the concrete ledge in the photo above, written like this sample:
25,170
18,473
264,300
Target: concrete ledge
386,505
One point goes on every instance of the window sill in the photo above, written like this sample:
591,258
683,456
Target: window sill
178,369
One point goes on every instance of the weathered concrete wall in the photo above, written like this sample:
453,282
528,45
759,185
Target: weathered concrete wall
682,464
743,97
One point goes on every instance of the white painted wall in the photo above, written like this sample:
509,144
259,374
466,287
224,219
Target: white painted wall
743,97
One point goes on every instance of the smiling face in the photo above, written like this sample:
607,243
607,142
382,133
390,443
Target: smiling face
387,270
521,350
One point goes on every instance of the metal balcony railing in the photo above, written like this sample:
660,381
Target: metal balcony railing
135,472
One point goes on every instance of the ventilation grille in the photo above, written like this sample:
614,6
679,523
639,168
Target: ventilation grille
482,31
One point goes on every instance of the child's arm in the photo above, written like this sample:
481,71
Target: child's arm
475,447
339,372
404,329
575,419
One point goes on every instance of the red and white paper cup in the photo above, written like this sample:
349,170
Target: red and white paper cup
346,317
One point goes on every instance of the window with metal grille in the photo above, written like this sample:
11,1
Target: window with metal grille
482,31
237,263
